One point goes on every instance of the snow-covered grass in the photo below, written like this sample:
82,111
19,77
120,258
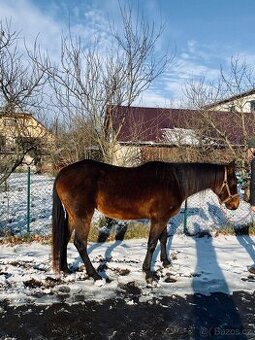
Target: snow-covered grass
13,205
201,265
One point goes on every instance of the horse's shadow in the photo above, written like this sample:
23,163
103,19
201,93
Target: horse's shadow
77,262
175,223
102,238
217,214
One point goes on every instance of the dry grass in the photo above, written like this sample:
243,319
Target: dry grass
135,230
228,230
13,240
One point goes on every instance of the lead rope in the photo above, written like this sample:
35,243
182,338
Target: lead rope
225,210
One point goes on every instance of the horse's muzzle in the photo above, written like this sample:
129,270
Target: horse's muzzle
233,203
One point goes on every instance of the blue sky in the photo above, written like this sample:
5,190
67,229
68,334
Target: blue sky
204,33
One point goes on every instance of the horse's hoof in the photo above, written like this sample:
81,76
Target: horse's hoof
166,263
170,279
66,270
100,283
97,277
152,277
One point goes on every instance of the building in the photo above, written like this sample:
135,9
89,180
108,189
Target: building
244,102
22,133
142,134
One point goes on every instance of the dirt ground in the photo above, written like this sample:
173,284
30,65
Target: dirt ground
218,316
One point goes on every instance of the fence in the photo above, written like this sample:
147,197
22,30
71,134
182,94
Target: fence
26,203
203,213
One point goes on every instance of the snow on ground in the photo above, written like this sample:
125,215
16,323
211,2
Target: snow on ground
13,205
201,265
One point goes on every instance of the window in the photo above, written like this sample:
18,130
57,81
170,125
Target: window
252,103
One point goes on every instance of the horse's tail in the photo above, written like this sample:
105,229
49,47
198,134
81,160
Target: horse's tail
59,229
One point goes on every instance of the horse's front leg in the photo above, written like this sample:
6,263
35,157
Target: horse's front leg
150,276
155,232
163,254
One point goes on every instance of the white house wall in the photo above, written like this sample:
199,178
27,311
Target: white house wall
240,104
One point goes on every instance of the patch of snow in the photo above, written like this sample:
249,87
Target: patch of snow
200,265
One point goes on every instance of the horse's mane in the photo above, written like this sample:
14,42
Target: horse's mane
196,177
191,177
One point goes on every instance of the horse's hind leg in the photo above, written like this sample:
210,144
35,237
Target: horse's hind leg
63,255
82,227
163,254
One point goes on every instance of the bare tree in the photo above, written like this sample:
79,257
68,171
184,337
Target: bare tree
90,79
211,100
21,84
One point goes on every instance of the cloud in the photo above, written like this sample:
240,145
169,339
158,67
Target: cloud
48,26
194,60
192,44
29,21
245,57
153,98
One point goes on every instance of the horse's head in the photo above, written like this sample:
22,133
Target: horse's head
227,190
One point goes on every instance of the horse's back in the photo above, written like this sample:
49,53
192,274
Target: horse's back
90,171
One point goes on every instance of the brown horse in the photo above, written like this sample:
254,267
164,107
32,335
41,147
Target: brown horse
154,191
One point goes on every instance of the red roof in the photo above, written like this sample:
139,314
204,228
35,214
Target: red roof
143,124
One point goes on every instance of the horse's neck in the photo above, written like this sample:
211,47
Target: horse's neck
197,181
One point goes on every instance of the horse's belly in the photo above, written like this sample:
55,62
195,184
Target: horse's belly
122,209
120,212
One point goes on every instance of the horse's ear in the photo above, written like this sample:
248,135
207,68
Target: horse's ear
231,166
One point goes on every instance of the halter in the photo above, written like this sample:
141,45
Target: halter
225,184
